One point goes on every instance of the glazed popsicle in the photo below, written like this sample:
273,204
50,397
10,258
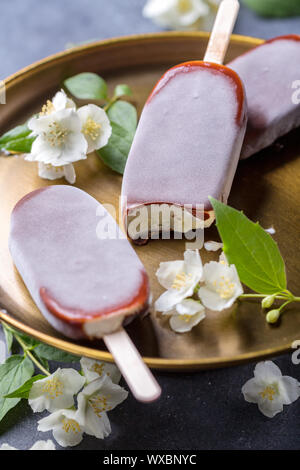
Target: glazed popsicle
189,137
269,73
81,271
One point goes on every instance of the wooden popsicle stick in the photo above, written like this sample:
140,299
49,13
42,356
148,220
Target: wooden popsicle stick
138,376
222,29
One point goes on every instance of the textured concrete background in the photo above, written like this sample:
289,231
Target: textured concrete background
203,410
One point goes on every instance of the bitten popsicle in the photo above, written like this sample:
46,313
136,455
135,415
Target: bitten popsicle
82,273
188,141
271,73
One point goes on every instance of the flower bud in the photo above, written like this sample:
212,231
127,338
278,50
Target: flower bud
267,302
273,316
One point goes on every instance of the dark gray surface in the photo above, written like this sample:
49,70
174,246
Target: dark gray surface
203,410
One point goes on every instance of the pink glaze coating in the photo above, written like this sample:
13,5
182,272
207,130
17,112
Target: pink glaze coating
73,273
189,137
268,72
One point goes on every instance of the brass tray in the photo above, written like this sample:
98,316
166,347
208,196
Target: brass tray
265,187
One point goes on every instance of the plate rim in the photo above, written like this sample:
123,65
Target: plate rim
69,346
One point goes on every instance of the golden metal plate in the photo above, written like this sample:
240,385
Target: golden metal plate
265,187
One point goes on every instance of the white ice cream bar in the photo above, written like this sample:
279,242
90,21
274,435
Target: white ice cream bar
85,285
187,143
270,73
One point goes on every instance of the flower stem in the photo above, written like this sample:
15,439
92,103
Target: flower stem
27,351
253,296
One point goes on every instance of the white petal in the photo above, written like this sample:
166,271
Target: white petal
168,300
193,263
270,408
97,425
43,445
69,173
251,391
213,246
61,101
270,230
289,389
6,446
189,307
50,172
168,271
182,323
213,301
267,371
94,369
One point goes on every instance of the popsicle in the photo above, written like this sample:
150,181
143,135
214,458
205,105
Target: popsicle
188,141
270,73
82,273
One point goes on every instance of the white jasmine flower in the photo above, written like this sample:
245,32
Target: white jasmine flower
56,391
179,278
96,126
39,445
65,427
94,401
189,313
177,14
213,246
50,172
270,389
94,369
59,139
222,285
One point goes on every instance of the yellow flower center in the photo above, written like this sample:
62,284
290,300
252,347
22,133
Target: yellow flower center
57,134
269,392
186,318
91,129
98,368
99,404
181,280
53,388
224,287
184,6
70,425
47,108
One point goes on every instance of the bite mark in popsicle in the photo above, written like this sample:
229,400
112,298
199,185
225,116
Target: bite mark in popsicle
188,140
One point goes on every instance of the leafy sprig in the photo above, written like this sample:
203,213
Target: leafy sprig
256,256
17,372
122,115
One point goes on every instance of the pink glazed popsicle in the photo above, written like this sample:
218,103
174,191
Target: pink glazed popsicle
188,141
269,73
83,274
84,284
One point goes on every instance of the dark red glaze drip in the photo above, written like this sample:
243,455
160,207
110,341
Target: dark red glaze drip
79,316
214,67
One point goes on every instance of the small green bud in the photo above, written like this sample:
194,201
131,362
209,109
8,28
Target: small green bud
273,316
268,301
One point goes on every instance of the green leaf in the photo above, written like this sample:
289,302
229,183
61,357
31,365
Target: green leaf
23,391
9,337
122,90
18,132
87,86
274,8
123,119
253,251
22,145
52,354
15,371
